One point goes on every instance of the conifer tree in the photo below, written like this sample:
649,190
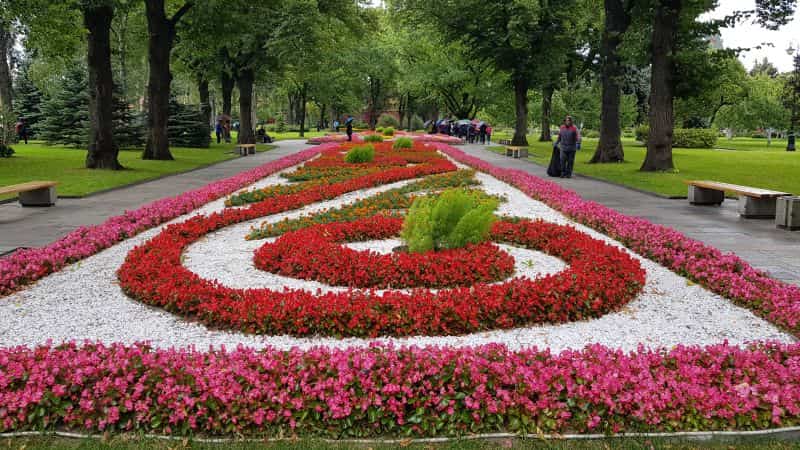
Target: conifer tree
65,116
27,98
187,126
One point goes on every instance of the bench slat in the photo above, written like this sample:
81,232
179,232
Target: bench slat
28,186
738,189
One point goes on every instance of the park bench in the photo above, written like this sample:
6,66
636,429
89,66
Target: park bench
754,203
33,193
517,152
246,149
504,142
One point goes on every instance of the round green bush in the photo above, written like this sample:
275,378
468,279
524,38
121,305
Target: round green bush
373,138
388,131
388,120
684,137
360,154
453,219
402,142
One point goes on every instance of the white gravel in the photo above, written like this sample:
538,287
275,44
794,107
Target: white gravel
83,301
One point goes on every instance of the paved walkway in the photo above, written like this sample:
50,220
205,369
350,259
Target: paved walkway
35,227
756,241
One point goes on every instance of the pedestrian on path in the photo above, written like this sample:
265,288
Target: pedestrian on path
568,142
488,135
219,130
349,124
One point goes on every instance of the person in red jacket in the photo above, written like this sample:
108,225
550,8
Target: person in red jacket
569,142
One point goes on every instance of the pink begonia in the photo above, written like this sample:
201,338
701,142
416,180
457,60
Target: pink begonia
346,392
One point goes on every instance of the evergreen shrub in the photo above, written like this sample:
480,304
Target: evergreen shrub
360,154
453,219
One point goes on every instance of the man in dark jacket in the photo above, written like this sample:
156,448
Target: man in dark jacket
569,142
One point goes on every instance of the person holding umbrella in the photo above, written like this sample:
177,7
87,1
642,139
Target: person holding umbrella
349,124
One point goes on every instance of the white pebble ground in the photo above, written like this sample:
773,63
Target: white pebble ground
83,301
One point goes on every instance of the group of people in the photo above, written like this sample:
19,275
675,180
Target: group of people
473,132
564,148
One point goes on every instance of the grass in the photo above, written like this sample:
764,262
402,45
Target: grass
38,161
743,161
124,443
296,134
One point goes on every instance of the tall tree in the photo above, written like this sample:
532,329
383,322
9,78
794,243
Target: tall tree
617,20
161,30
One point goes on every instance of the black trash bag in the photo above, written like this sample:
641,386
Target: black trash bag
554,169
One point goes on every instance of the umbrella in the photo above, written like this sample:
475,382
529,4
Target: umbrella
427,123
463,122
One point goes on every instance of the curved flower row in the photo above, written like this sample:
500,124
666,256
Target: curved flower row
385,391
26,266
600,278
725,274
316,253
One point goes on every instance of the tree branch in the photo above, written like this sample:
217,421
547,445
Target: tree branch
181,12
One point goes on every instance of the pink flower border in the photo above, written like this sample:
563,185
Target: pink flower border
725,274
25,266
387,391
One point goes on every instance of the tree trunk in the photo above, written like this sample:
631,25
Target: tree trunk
245,81
617,20
303,94
290,116
409,111
6,92
103,151
161,35
521,109
227,93
323,110
205,95
659,143
547,112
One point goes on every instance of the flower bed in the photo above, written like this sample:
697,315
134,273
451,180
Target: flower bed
725,274
600,278
386,391
26,266
316,253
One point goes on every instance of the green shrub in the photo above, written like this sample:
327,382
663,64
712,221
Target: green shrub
388,131
454,219
684,137
417,123
379,130
360,154
373,138
6,151
591,134
403,142
388,120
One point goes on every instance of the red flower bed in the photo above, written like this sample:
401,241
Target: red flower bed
600,278
315,253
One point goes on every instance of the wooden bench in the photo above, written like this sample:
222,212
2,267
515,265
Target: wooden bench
33,193
517,152
754,203
246,149
504,142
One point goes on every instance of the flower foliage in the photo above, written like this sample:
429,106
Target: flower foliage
360,154
387,391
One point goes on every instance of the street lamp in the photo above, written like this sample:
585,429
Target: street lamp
794,93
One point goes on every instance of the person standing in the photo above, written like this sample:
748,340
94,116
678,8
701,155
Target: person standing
349,124
22,130
568,142
218,129
488,135
336,125
482,133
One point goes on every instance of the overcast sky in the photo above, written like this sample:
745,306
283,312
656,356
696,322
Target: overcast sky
747,34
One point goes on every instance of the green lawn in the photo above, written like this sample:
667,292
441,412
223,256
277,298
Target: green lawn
37,161
609,444
296,134
743,161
